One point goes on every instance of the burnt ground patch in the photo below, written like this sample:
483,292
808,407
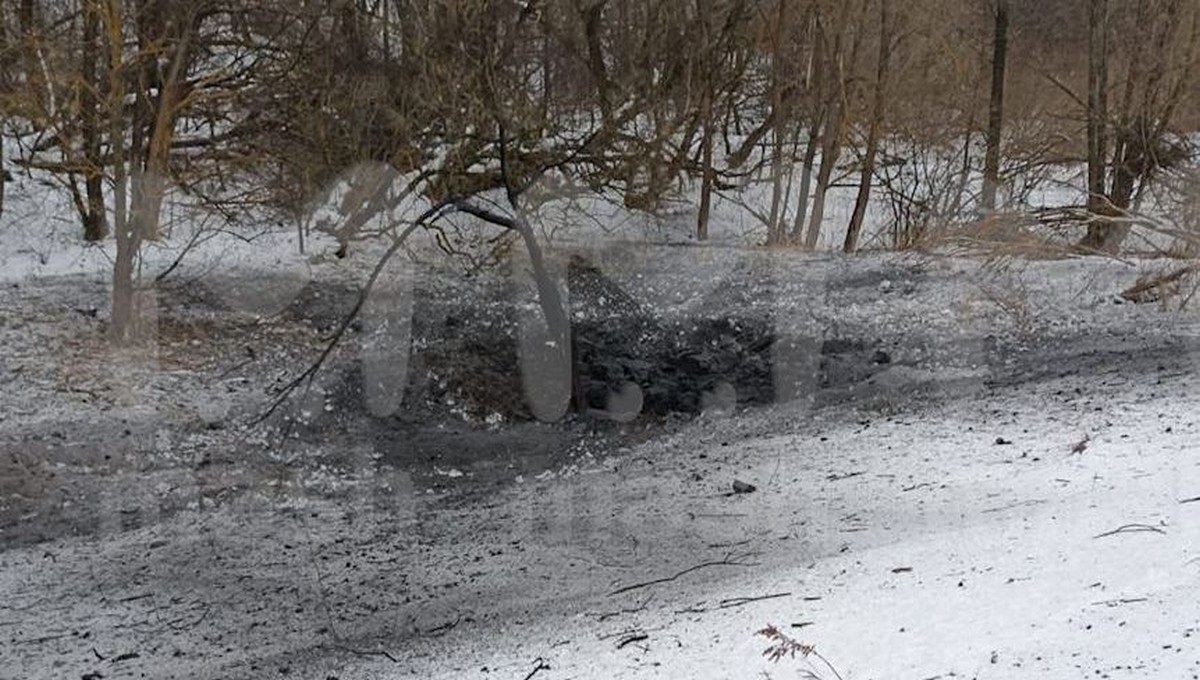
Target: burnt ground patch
464,362
464,408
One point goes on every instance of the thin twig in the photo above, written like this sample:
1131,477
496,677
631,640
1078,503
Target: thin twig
731,603
445,627
836,477
366,652
1131,528
636,637
541,666
1120,601
727,561
312,370
739,601
604,616
236,367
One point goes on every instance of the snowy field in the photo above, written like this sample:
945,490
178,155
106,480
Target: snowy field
990,471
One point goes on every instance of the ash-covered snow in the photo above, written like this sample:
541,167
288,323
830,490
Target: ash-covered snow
143,515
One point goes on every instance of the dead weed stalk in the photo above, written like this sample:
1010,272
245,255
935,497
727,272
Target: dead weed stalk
783,645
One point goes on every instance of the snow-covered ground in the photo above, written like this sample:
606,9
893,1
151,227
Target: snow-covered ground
1014,492
966,534
912,547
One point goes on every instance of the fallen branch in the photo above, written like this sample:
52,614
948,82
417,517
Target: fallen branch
1190,500
604,616
135,598
541,666
629,640
445,627
727,561
1018,504
364,652
1131,529
730,603
835,477
335,340
1120,601
739,601
1155,287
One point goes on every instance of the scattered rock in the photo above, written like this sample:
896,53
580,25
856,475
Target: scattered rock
1081,445
740,487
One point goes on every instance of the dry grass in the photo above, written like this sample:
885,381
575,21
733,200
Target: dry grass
784,646
1003,235
1173,288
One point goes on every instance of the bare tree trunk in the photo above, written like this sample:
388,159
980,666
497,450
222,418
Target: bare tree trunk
1097,125
27,17
128,242
806,178
866,177
592,17
706,160
707,178
776,232
831,147
815,82
6,80
352,33
549,373
95,224
991,164
140,175
831,151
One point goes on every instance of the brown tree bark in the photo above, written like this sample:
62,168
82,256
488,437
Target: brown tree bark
1099,230
867,173
991,164
27,16
708,178
95,224
140,174
708,173
776,231
836,117
806,179
816,83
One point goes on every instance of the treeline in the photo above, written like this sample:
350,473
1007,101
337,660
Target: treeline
251,104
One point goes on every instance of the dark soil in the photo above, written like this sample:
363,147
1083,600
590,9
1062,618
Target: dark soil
464,424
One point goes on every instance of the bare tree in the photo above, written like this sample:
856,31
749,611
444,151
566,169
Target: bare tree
991,166
1160,41
867,172
841,63
1097,106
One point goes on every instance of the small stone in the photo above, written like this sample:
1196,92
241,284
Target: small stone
740,487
